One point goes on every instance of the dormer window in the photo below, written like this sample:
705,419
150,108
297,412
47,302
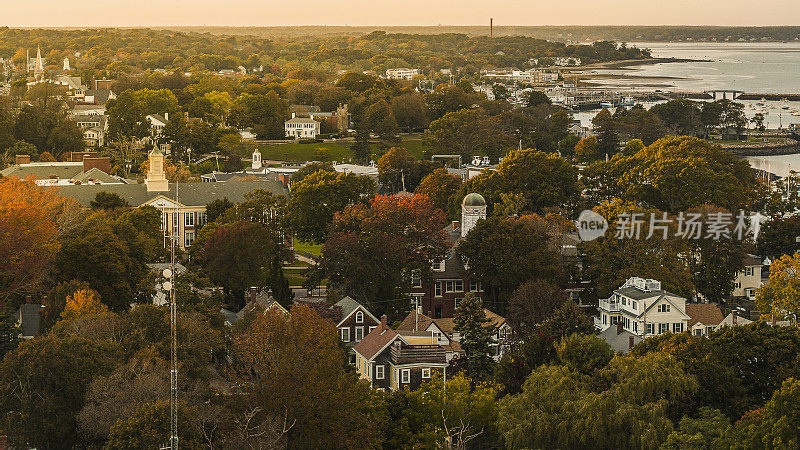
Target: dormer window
359,317
438,266
663,308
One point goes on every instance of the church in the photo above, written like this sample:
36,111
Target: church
439,296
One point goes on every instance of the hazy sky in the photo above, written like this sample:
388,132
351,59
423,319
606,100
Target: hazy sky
30,13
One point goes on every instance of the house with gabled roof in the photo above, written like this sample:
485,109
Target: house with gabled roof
354,324
392,360
703,318
643,308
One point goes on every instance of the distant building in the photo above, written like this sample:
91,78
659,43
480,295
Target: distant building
401,74
182,206
749,279
644,309
302,127
90,170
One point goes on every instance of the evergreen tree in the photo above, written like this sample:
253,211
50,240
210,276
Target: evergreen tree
476,337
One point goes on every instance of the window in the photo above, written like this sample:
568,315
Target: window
698,332
475,286
359,317
353,359
748,271
624,301
359,333
416,301
663,308
677,327
426,373
174,220
405,376
457,302
634,305
345,334
438,266
663,328
737,285
437,289
605,319
188,219
649,328
416,280
379,372
709,330
454,286
189,238
635,327
614,320
202,218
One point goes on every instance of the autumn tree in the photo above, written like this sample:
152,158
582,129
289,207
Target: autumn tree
440,187
29,229
781,295
393,237
532,303
399,170
108,200
81,303
265,114
607,136
588,150
293,365
467,132
319,196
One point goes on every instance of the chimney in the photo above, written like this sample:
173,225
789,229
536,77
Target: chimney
384,327
630,342
166,116
619,328
22,159
292,115
253,293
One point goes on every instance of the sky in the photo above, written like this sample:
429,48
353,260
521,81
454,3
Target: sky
52,13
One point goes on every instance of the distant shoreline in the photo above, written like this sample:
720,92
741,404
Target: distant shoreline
625,63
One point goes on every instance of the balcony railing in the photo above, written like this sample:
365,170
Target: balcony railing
418,354
609,306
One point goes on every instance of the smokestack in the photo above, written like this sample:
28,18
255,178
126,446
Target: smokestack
630,342
384,327
619,328
491,27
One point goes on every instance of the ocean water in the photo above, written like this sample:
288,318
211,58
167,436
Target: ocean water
757,68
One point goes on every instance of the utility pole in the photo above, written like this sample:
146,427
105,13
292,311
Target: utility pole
169,285
491,27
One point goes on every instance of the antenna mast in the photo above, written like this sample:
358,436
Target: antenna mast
173,320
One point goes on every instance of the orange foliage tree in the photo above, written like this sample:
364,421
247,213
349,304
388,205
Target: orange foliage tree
30,219
83,302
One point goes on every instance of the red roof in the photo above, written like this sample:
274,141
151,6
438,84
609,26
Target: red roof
373,343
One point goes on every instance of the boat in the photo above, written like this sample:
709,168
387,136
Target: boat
628,101
606,104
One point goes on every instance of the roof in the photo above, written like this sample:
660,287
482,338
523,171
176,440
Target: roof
474,199
301,120
95,174
157,117
638,294
446,324
28,316
704,313
100,95
349,305
620,343
375,342
189,194
729,320
752,260
40,171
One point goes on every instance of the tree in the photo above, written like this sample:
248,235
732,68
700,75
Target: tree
681,117
394,236
217,208
588,150
358,82
107,254
467,132
504,253
536,181
440,187
476,337
531,304
108,200
381,121
758,122
454,413
82,303
536,98
319,196
606,129
37,408
30,219
310,168
410,112
293,365
781,295
398,170
237,256
585,353
44,122
778,237
634,404
448,98
149,425
775,424
9,332
710,430
127,123
265,114
678,173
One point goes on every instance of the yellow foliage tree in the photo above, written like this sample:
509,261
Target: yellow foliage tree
83,302
781,295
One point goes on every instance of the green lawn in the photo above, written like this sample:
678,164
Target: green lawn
338,151
314,249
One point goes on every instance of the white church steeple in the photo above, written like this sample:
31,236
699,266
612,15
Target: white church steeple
473,208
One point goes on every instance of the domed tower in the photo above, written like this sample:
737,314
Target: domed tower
256,160
473,208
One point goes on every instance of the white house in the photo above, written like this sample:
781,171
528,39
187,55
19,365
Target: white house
301,127
644,309
401,74
748,280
